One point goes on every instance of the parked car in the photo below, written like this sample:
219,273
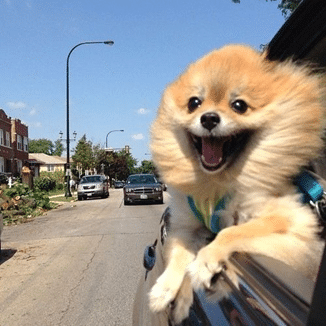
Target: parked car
3,178
142,188
269,292
118,184
93,186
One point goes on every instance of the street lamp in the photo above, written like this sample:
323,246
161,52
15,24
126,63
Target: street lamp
61,135
106,144
68,194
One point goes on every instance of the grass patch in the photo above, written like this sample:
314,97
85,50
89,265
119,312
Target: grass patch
56,192
64,199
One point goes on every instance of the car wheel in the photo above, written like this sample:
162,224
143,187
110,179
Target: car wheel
80,197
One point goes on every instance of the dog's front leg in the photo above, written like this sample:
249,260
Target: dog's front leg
168,285
266,235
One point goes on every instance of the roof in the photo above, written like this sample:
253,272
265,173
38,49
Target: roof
300,33
47,159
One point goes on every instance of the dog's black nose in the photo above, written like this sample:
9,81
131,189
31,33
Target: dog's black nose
210,120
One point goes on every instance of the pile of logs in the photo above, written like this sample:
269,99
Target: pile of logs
15,208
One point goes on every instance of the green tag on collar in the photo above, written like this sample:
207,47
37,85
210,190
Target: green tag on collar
213,224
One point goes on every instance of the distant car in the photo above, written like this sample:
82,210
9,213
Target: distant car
118,184
93,186
142,188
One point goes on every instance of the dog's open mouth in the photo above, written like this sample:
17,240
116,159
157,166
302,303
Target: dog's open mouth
216,152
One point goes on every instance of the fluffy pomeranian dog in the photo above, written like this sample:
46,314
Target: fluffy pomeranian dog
232,132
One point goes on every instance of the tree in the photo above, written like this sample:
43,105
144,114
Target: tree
130,161
117,165
41,146
147,166
286,6
83,157
45,146
58,148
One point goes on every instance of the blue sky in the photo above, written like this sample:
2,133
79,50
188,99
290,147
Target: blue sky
119,86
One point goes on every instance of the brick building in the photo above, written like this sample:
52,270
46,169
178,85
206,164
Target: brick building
13,144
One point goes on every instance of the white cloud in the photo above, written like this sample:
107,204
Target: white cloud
143,111
138,136
16,105
32,112
33,124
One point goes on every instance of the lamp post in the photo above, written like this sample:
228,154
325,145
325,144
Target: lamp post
106,143
68,193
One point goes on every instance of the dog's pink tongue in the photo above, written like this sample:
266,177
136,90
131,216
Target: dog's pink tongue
212,151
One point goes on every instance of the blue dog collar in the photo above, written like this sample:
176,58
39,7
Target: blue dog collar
213,223
310,189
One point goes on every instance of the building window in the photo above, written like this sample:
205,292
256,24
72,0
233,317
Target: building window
50,167
8,139
19,142
25,144
2,141
2,164
19,166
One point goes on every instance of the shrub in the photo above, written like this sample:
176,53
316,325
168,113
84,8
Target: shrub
42,199
57,176
18,189
60,186
44,183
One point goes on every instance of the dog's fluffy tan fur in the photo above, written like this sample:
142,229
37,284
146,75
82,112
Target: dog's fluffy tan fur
284,120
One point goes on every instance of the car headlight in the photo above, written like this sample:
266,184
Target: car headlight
98,186
80,187
158,189
129,189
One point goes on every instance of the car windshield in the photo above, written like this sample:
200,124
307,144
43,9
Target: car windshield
141,179
90,179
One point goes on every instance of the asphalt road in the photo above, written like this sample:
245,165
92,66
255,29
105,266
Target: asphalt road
77,265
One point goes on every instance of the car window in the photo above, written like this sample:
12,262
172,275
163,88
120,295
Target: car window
91,179
141,179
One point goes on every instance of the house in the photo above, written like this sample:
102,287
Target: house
46,163
13,144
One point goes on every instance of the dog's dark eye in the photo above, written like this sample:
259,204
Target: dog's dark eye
239,106
194,103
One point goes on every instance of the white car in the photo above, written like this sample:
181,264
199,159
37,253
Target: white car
93,186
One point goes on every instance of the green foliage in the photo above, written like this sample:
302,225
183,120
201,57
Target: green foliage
19,189
83,157
44,183
60,186
147,166
57,176
41,146
286,6
58,148
117,165
42,199
30,203
45,146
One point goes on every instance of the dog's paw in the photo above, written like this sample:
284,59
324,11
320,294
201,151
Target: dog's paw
162,294
205,269
183,302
